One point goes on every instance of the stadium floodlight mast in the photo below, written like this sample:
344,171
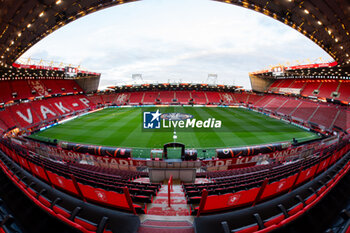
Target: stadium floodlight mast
137,77
212,79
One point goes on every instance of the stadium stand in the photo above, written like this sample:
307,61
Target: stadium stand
96,100
275,85
24,89
289,106
276,103
55,108
8,223
311,87
241,97
228,189
166,97
325,115
265,100
108,98
101,187
277,213
344,91
136,98
253,98
150,97
80,215
250,182
199,97
213,97
283,83
305,110
183,97
327,88
122,98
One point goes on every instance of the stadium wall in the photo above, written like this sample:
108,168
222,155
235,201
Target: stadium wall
260,84
89,84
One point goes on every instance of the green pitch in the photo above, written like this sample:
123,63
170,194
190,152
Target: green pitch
122,127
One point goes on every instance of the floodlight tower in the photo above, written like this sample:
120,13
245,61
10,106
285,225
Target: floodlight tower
137,77
212,79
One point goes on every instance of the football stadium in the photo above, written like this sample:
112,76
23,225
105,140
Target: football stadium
174,157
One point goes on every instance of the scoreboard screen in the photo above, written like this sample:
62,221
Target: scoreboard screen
70,71
278,70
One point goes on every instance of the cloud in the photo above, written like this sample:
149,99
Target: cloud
175,40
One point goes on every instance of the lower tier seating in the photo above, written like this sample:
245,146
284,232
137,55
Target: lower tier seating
234,191
274,215
80,215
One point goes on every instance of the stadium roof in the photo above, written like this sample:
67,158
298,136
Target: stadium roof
24,22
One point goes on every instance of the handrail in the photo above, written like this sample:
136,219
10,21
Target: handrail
202,202
170,188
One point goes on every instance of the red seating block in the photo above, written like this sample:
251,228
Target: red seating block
230,200
278,187
62,183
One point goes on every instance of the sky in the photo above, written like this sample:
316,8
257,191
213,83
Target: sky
176,41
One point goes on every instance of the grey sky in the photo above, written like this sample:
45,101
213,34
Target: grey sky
176,40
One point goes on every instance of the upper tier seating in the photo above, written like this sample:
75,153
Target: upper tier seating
287,83
299,84
344,91
6,92
24,89
59,86
276,84
327,88
281,83
310,87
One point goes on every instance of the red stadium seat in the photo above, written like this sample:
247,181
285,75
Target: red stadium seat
62,183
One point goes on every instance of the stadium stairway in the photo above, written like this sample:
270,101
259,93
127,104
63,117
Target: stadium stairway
162,218
178,206
151,226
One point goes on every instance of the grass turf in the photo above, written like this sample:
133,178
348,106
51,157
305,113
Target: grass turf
122,127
